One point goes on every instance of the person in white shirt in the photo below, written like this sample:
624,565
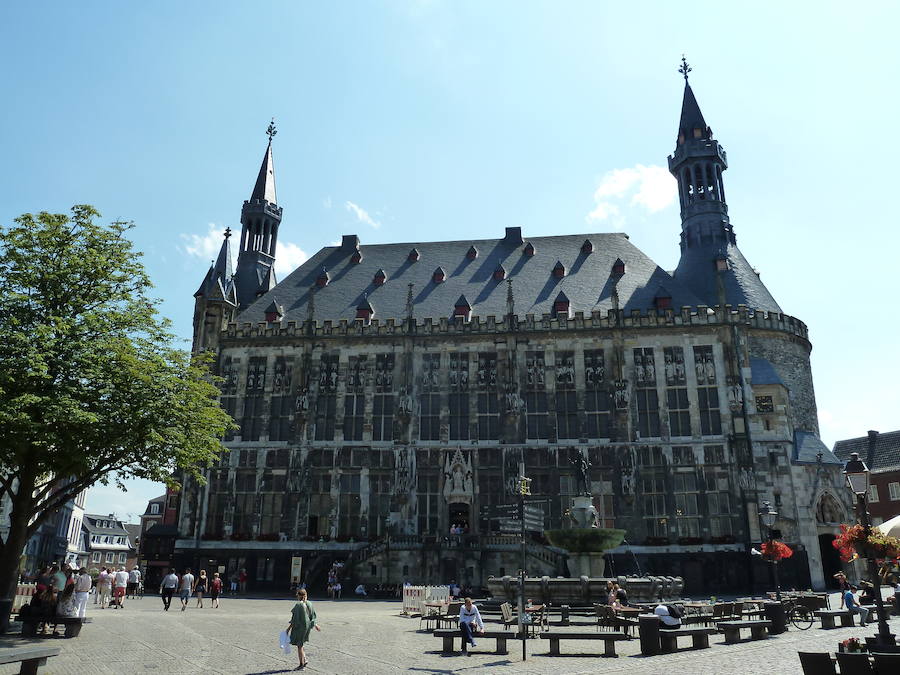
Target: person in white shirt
666,619
83,583
167,588
104,587
361,590
134,581
187,588
120,583
469,623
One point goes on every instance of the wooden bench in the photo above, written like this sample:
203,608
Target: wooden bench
609,638
501,636
31,658
30,623
732,629
668,639
829,615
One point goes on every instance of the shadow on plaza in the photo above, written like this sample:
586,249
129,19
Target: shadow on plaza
272,672
475,666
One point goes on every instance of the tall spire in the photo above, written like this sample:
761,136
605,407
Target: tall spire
710,259
265,181
260,219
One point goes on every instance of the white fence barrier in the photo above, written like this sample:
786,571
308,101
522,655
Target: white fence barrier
23,595
415,597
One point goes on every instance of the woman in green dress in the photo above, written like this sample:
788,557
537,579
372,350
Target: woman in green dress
303,620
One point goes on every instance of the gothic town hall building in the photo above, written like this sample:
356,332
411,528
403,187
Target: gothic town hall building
387,394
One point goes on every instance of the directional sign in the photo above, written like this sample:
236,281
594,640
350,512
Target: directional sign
510,525
534,511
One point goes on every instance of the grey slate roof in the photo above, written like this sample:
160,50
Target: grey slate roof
90,524
807,446
691,117
763,372
742,285
887,450
587,282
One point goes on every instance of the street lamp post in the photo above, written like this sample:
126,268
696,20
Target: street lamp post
857,474
768,516
524,490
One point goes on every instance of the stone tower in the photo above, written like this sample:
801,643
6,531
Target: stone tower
711,264
215,302
260,218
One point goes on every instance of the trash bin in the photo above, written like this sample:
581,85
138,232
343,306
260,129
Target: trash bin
648,628
774,612
564,615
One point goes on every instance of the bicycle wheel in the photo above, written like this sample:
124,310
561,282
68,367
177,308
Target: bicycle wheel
802,617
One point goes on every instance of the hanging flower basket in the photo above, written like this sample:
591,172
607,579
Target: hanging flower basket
853,542
774,551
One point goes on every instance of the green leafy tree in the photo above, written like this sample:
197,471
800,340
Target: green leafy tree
92,386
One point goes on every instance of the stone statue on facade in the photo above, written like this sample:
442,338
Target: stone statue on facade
579,461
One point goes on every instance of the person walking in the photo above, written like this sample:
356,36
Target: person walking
187,588
242,580
234,582
215,589
200,588
104,584
120,584
83,583
167,588
303,620
134,581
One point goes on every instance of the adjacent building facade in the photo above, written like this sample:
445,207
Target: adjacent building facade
388,393
108,542
881,453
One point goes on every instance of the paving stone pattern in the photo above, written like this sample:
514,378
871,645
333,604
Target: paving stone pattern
370,637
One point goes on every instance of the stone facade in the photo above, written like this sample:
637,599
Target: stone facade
390,442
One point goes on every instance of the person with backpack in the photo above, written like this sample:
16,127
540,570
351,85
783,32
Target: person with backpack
669,616
215,590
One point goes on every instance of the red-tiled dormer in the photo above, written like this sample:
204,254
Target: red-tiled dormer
413,255
559,270
356,258
662,299
587,246
561,304
499,273
380,278
528,250
462,309
274,312
365,311
472,253
323,279
438,275
618,268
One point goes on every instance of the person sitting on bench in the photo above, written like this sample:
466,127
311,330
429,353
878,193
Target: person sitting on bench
854,607
669,616
469,623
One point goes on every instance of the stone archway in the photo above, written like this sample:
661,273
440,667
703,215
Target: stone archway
829,512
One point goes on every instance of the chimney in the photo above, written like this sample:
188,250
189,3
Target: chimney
513,235
350,242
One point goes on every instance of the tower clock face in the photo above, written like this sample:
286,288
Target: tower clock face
764,404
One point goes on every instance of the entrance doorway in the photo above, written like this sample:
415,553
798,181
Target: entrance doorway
831,559
459,518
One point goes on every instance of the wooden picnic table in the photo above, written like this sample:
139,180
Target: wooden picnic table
629,611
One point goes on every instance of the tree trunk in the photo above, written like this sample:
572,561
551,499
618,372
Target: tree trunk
11,553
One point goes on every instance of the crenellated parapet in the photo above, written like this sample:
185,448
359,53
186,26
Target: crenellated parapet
480,325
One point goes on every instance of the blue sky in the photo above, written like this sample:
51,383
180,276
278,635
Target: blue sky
452,120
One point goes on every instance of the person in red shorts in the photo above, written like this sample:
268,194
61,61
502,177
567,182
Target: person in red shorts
119,586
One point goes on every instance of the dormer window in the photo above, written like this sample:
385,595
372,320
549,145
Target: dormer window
365,311
323,279
528,250
618,268
721,264
274,312
356,258
561,305
380,278
413,255
438,276
499,273
587,246
462,309
663,299
559,270
472,253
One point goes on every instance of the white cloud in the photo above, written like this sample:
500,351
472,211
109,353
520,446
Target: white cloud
361,214
205,246
650,187
288,257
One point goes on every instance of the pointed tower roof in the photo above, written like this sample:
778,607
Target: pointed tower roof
222,267
691,117
265,181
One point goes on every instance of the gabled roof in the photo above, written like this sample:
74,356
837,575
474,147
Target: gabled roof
763,372
807,447
587,282
887,450
156,500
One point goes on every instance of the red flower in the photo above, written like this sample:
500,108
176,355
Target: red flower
773,551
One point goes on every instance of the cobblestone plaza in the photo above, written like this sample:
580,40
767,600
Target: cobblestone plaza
371,637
